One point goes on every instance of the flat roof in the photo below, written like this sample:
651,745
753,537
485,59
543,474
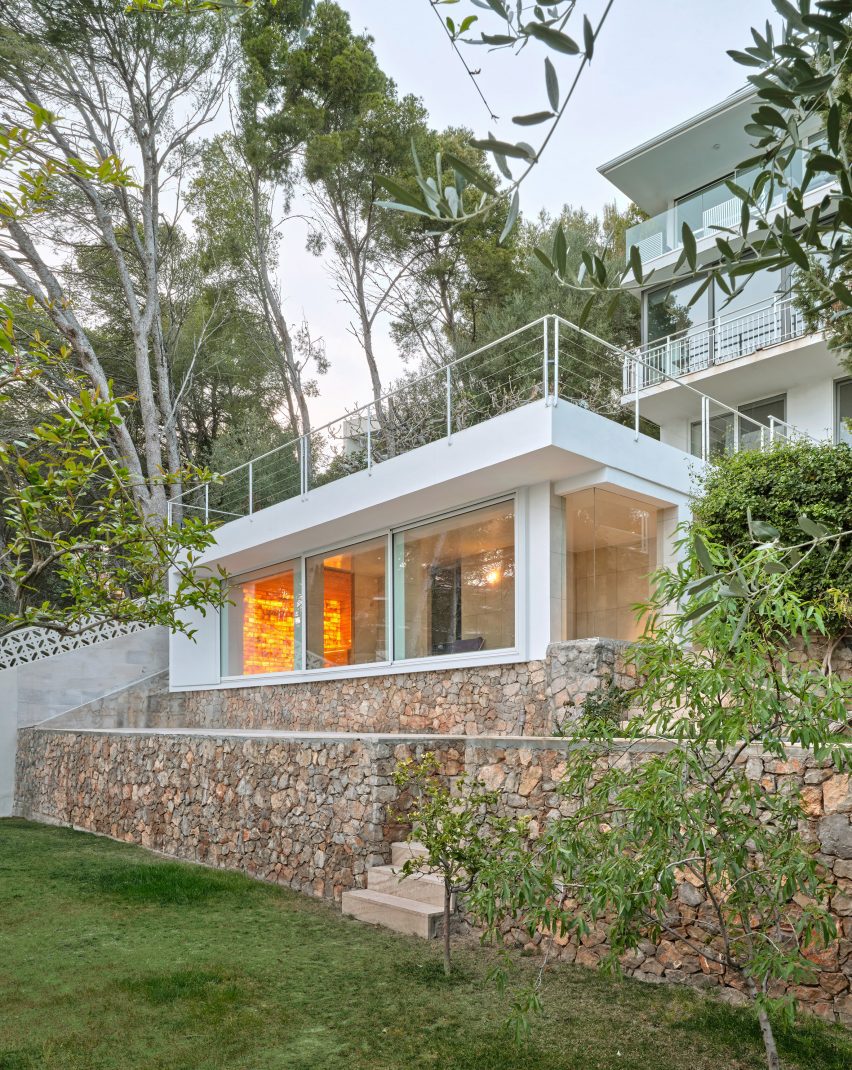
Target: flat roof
685,157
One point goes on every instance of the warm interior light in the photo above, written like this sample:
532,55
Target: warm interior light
268,625
337,617
493,577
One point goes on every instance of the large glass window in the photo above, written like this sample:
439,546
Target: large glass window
346,606
454,584
611,552
261,624
844,411
669,311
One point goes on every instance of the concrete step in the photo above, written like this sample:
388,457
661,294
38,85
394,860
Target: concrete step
401,852
394,912
423,887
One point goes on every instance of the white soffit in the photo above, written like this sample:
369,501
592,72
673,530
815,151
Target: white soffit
690,155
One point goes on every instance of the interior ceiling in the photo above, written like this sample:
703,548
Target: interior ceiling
685,158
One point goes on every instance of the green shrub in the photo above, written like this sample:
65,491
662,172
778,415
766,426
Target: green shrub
780,485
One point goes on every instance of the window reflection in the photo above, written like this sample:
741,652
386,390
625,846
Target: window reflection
844,411
611,553
346,606
454,584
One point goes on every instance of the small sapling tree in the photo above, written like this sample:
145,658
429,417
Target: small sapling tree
718,684
462,829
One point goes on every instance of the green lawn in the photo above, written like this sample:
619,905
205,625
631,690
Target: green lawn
112,958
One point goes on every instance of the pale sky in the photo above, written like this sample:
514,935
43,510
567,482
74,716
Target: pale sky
657,62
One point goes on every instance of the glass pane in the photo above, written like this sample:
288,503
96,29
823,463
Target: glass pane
454,584
611,552
760,288
721,429
764,413
347,606
844,411
668,310
261,628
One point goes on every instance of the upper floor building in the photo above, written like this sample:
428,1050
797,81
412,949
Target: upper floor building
768,375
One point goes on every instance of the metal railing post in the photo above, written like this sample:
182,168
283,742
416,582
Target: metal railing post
636,402
705,427
251,486
771,430
736,432
206,503
546,361
556,361
449,404
303,474
369,438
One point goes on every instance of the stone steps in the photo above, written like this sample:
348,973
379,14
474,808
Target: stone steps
413,905
401,852
423,887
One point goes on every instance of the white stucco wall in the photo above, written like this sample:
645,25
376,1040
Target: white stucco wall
534,452
42,689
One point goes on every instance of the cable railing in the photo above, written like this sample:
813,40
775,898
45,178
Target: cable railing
717,341
545,361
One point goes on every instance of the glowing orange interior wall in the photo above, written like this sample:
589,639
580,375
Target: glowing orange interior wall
268,625
337,617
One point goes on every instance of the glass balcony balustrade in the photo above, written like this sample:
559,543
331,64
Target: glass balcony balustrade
709,212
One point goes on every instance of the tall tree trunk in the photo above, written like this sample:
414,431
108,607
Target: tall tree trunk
167,408
275,314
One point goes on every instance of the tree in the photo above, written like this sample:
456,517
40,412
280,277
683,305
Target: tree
715,679
781,485
461,829
517,28
108,84
457,278
78,546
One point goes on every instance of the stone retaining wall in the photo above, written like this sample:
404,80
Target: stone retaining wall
525,698
313,812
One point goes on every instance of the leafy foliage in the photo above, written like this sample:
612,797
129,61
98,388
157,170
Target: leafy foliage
518,27
462,829
71,521
717,679
780,486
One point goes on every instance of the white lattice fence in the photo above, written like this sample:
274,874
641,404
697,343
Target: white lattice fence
31,644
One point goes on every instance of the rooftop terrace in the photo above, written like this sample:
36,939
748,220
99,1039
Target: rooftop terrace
545,362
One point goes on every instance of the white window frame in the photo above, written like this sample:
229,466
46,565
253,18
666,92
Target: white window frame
390,667
845,381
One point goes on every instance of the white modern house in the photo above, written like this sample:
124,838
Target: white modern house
752,352
489,512
522,495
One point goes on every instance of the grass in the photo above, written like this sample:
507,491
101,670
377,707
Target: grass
112,959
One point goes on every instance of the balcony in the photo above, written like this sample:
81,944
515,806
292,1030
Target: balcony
712,211
716,342
549,362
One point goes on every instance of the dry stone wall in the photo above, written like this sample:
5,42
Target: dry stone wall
525,698
315,812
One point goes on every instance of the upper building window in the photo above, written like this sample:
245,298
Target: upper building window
347,606
261,624
454,584
843,430
757,423
670,312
